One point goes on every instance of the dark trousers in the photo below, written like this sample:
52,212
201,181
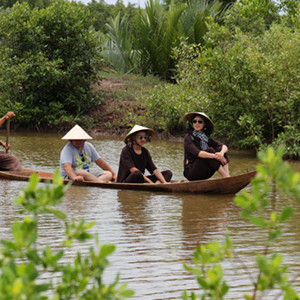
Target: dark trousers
203,168
9,162
137,177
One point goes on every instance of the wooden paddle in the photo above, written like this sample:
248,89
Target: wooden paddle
7,133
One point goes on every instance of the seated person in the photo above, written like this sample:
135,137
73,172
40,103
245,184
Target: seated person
203,155
78,154
8,162
135,159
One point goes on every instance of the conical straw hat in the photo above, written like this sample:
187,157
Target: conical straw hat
208,122
136,129
77,133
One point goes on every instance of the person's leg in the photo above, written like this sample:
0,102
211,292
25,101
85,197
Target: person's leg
226,168
106,176
224,171
87,176
16,165
9,162
201,169
135,177
167,175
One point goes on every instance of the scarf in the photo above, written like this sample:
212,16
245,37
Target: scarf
203,139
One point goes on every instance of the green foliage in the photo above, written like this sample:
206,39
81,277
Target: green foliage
260,208
32,3
118,50
160,29
195,17
248,83
290,6
23,263
102,12
48,62
208,271
252,16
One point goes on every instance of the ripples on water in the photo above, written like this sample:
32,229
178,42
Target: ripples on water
154,232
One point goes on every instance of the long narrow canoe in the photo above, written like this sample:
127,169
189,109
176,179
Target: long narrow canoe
230,185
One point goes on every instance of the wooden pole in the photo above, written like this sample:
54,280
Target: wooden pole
7,132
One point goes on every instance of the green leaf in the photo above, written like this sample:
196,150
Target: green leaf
258,221
58,213
107,250
285,214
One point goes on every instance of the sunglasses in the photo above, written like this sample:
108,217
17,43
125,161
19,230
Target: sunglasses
141,137
198,121
82,157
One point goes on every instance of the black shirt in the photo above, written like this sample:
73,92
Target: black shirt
129,159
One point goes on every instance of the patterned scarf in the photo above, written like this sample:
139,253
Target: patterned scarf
203,139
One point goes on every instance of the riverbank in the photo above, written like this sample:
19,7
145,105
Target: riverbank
122,103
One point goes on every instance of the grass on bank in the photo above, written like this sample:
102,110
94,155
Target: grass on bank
122,105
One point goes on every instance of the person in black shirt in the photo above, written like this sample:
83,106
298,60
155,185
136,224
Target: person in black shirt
135,159
203,155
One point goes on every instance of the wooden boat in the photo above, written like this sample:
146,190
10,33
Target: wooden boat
230,185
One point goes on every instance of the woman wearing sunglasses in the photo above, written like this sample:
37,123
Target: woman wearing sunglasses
203,155
77,156
135,159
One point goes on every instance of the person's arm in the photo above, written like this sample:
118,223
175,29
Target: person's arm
217,145
217,156
223,150
70,172
103,165
159,176
8,115
6,147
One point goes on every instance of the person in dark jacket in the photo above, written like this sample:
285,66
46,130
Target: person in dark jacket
135,159
203,155
8,162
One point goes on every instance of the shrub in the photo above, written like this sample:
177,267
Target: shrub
48,62
248,84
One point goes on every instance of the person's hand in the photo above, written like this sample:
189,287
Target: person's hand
221,158
78,178
9,115
114,177
4,145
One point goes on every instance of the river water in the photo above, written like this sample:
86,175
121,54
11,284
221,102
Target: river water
155,233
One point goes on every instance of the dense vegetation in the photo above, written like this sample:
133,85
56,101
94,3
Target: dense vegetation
48,61
237,61
246,78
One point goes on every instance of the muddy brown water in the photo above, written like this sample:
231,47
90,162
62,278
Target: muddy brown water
155,233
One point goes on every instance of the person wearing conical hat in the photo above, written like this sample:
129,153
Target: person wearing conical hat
77,156
8,162
203,155
135,159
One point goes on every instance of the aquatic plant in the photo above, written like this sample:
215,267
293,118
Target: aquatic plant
24,261
259,207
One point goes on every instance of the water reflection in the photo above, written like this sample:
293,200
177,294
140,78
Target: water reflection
133,208
204,218
154,232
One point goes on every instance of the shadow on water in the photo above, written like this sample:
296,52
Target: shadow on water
201,217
